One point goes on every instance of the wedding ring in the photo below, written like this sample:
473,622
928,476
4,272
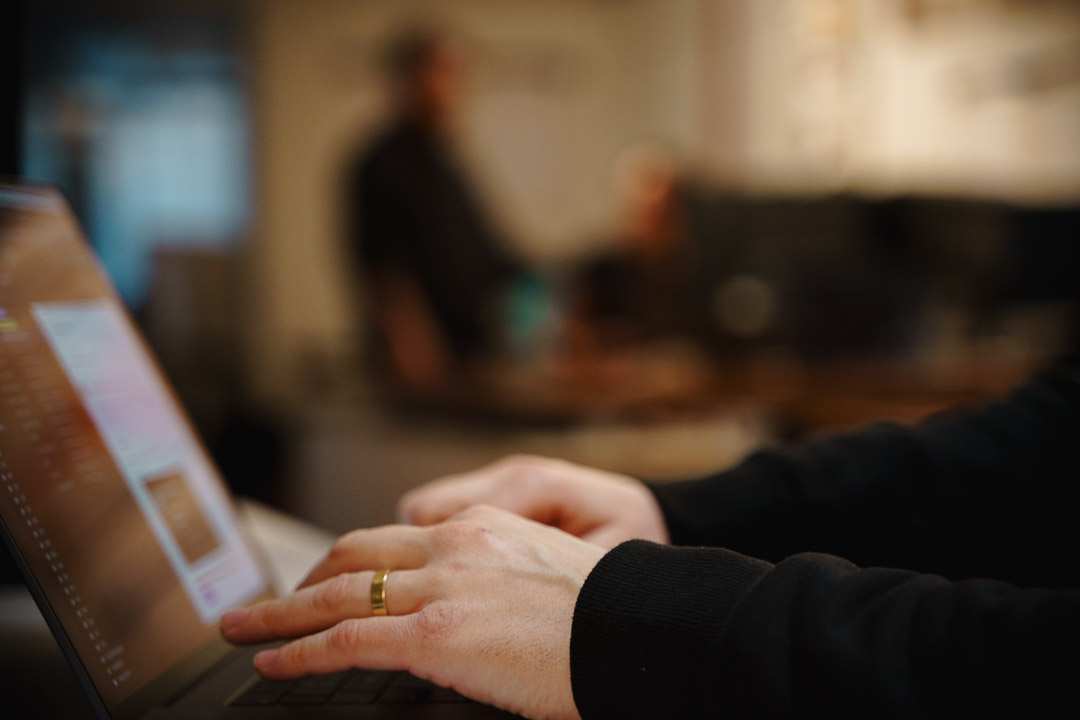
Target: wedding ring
378,592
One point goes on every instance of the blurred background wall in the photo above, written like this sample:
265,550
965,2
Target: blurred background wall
205,146
965,98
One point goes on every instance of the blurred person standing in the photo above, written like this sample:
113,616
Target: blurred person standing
432,265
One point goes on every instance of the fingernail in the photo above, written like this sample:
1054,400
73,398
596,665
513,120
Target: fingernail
233,619
265,658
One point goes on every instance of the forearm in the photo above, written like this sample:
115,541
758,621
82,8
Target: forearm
998,482
842,495
677,632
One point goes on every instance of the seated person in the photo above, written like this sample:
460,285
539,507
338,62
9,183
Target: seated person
556,591
433,268
648,286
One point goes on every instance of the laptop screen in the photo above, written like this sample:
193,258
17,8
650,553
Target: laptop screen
113,503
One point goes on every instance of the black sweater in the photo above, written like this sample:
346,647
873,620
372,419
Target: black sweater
682,632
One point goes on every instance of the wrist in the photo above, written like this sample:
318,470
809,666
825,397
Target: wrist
648,626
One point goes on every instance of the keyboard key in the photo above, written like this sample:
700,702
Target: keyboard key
353,687
262,692
407,690
318,684
362,679
354,697
292,698
405,696
362,687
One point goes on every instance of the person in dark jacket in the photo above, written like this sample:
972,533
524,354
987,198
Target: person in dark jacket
431,263
557,591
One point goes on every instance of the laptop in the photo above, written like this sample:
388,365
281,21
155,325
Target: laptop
125,533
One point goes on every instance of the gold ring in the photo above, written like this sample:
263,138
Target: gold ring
378,592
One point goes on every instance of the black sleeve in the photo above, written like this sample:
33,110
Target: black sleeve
688,632
992,492
387,229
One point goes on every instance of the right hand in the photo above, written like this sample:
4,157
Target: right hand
483,604
599,507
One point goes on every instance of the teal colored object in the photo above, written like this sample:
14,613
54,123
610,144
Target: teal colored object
530,316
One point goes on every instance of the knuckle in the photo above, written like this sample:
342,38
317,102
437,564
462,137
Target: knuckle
344,637
438,620
268,616
520,463
342,547
333,593
440,582
256,621
516,459
449,533
475,512
410,508
529,472
464,532
292,655
289,656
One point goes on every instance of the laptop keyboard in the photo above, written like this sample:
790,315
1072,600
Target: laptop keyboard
350,687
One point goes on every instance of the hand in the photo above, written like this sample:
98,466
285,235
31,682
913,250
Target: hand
601,507
482,603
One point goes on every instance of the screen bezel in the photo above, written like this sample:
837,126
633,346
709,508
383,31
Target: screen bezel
183,673
57,628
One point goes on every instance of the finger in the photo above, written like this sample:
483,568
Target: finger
532,493
375,643
439,499
398,547
321,606
523,485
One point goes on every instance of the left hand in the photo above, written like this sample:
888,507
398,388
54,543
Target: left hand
482,603
600,507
